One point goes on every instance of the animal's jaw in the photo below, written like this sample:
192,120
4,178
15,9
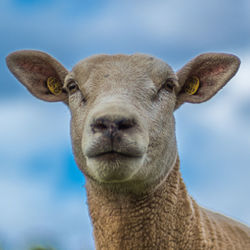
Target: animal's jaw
113,167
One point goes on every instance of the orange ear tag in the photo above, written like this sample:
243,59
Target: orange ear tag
192,85
54,85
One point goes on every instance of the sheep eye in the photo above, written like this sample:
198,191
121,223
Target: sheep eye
169,85
72,87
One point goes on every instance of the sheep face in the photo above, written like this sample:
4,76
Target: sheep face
122,118
122,126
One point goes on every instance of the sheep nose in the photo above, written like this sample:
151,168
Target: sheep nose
110,127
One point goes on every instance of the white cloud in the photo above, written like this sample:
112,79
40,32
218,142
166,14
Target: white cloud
28,125
32,212
132,25
192,23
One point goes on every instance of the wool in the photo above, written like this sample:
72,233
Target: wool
167,218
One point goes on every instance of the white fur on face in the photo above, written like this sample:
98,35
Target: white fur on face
134,141
151,141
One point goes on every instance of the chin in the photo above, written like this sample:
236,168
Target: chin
114,168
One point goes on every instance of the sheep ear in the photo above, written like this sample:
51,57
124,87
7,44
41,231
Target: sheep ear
204,76
40,73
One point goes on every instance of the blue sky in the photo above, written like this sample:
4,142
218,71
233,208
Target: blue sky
42,192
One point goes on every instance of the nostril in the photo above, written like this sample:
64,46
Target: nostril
125,124
99,125
111,126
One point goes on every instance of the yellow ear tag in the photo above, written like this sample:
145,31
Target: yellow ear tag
192,85
54,85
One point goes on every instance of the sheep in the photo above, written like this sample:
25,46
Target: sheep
123,138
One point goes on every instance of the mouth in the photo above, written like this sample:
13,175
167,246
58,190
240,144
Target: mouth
114,155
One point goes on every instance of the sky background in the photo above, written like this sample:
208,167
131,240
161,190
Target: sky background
43,200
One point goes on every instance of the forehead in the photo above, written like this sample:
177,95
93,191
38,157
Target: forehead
121,68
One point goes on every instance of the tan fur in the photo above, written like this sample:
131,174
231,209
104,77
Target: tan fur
164,219
123,136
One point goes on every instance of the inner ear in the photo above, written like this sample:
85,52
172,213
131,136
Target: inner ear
207,77
40,73
204,76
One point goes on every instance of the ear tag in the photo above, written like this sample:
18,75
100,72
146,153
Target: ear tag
54,85
192,85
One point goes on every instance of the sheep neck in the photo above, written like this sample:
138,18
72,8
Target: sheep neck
163,219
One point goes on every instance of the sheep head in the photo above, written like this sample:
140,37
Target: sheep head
122,125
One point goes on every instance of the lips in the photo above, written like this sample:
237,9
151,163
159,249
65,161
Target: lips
114,154
102,148
105,150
